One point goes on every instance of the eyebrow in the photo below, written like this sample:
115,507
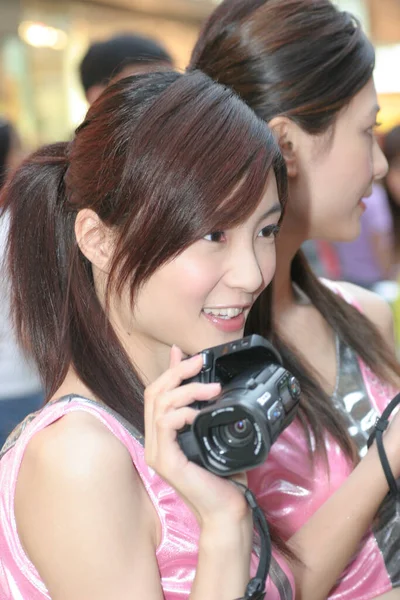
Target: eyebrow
276,208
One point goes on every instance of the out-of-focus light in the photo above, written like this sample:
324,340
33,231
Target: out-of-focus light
40,35
386,74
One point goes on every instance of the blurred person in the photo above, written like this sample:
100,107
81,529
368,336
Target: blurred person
119,57
391,148
138,236
20,386
368,259
306,68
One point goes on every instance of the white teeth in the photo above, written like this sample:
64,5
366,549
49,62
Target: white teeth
224,313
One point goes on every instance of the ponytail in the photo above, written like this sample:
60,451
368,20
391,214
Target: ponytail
58,318
38,248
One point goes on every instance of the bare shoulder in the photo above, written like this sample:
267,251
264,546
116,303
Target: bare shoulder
79,500
74,459
77,446
375,308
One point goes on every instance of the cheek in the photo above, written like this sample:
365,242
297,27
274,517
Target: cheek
267,263
190,281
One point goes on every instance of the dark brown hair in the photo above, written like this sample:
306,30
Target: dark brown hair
391,149
162,158
305,60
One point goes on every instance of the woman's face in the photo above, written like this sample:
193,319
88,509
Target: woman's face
202,297
336,172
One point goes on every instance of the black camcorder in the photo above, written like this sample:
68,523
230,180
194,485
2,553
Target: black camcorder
259,399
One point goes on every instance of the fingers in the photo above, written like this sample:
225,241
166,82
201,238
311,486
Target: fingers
166,396
174,376
176,356
165,432
185,395
168,424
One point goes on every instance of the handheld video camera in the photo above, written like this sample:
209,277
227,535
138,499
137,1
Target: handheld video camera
259,398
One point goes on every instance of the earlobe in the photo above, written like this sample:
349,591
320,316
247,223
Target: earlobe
284,131
93,239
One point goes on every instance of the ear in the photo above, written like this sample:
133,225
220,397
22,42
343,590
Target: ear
94,239
285,131
94,92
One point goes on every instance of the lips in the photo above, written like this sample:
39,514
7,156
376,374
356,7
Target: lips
221,319
223,313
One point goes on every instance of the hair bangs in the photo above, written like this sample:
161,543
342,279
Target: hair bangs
208,171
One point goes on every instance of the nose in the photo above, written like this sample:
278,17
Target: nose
380,163
244,271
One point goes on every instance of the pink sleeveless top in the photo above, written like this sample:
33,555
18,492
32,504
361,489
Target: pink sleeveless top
177,552
290,491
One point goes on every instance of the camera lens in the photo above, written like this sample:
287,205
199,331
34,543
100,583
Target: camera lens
237,434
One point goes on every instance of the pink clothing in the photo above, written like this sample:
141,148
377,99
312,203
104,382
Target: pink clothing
290,491
177,553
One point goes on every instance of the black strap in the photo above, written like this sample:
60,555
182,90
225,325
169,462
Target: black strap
380,427
255,589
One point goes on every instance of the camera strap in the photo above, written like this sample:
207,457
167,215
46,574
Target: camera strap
255,589
380,427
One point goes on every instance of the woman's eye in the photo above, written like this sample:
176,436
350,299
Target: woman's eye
269,231
372,130
215,236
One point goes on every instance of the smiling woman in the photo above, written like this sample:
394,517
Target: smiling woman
132,240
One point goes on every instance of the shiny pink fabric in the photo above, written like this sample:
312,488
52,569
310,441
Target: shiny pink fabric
176,555
290,491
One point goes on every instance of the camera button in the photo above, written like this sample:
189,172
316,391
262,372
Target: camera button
294,387
275,412
251,384
207,361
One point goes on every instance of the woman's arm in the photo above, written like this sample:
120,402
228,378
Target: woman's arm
331,537
82,514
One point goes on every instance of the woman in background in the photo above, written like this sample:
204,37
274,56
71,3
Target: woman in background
306,69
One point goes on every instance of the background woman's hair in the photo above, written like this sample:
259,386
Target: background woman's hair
391,149
305,60
5,148
163,159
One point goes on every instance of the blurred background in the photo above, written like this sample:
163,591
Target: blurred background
43,41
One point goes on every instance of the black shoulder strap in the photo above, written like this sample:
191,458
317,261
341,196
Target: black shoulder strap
377,434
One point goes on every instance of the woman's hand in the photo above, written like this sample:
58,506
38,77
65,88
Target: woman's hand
211,498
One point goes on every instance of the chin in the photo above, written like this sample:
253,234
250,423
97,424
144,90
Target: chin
348,232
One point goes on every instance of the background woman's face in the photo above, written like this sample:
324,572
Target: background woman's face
336,172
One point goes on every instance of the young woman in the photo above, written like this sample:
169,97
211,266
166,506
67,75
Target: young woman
146,239
306,69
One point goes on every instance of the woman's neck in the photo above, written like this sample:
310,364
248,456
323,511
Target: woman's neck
288,243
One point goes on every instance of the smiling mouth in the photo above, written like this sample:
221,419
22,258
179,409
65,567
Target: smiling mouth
224,313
